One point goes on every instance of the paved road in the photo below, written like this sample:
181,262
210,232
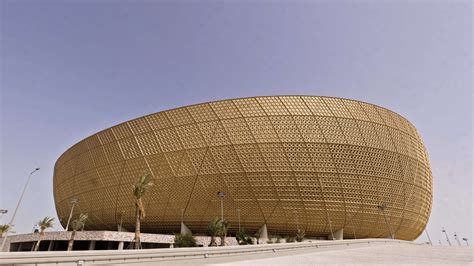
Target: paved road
369,254
377,254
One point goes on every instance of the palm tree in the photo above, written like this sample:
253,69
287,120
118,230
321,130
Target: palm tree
43,224
223,231
76,224
139,190
214,229
4,228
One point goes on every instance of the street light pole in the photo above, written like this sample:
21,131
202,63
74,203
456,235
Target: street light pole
429,238
330,228
297,221
2,212
238,214
221,196
465,239
352,224
382,208
447,238
121,221
74,201
457,239
16,208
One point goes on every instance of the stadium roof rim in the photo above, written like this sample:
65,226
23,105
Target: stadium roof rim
230,99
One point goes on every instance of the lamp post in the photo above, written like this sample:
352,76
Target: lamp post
352,225
447,238
465,239
330,227
382,208
297,221
17,205
457,239
221,196
238,214
2,212
429,238
74,201
121,220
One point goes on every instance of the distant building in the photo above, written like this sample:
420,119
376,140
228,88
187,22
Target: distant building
332,167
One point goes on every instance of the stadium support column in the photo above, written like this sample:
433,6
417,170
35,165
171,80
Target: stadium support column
185,229
338,235
92,245
263,233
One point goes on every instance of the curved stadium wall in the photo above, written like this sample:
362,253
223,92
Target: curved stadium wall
307,162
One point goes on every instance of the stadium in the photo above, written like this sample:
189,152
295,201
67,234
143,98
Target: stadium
319,164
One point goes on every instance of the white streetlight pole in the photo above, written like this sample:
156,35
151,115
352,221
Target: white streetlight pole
17,206
352,225
2,212
221,196
382,208
447,238
74,201
457,239
238,213
330,227
429,238
465,239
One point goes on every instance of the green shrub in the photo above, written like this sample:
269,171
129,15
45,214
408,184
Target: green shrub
278,239
300,236
243,239
290,239
184,241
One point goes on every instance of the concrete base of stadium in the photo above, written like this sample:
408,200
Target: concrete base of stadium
97,240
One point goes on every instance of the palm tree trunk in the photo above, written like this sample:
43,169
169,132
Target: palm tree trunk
39,241
222,240
213,241
137,226
71,241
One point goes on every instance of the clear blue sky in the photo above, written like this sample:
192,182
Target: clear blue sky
72,68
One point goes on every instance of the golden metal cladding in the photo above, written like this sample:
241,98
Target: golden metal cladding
290,162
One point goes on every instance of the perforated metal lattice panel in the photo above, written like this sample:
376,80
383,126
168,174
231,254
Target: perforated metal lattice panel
313,163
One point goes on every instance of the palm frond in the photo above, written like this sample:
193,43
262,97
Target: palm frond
4,228
45,223
79,222
141,186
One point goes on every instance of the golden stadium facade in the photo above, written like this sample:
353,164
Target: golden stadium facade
291,162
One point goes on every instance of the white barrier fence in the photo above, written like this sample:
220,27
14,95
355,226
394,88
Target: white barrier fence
116,256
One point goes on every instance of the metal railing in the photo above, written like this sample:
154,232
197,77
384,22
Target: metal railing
83,257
